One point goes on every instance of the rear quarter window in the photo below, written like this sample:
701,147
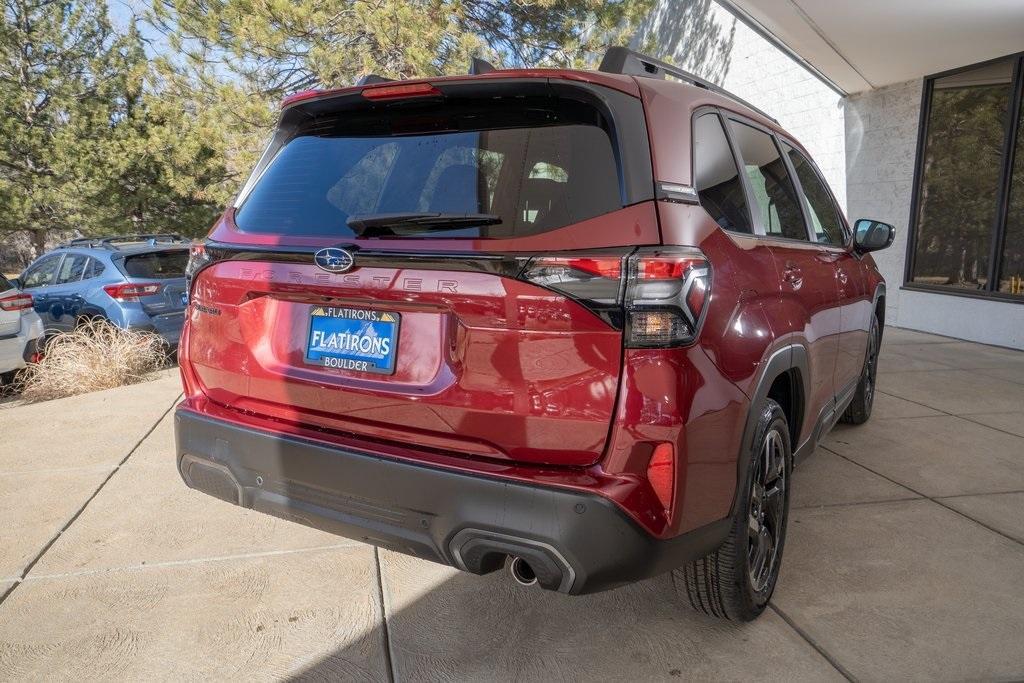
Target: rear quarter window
158,265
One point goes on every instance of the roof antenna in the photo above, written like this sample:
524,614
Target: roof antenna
480,66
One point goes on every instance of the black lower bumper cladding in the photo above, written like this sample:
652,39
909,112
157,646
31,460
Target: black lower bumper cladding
574,542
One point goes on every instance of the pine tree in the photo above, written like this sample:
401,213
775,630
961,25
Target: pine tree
55,59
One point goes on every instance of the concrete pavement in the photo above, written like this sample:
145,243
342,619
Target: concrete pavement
905,558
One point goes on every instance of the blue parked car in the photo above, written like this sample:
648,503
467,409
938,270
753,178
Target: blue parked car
134,281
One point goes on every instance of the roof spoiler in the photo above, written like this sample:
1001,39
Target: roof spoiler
622,60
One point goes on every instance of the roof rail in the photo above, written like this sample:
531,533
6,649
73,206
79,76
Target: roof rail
113,241
79,242
622,60
152,238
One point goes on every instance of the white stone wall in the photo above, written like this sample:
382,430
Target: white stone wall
707,40
865,145
881,146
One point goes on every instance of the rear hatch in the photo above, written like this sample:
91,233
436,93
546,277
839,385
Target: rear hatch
439,270
159,279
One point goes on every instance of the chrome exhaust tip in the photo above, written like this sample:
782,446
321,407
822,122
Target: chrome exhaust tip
522,572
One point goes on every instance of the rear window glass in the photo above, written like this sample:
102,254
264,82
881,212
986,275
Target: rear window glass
536,163
4,284
158,265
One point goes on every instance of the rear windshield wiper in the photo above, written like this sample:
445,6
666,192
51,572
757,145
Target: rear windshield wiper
409,223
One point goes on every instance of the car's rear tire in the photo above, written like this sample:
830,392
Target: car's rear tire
737,580
859,410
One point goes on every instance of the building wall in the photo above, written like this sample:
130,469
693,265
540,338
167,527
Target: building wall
881,150
865,145
881,147
707,40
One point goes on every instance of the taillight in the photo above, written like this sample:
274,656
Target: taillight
16,302
593,279
656,295
666,293
661,474
132,291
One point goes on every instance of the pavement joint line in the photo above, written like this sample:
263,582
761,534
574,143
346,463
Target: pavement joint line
968,418
67,525
854,503
388,654
912,417
812,642
943,340
946,413
935,499
58,470
973,495
191,561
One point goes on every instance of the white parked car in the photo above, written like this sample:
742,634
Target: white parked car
21,329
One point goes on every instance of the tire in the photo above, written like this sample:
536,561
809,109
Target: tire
737,580
859,410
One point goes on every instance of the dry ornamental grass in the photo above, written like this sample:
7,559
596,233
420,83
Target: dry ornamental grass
96,355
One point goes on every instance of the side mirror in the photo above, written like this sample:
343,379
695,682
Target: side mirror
869,235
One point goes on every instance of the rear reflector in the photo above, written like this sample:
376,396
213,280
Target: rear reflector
393,92
661,474
16,302
132,291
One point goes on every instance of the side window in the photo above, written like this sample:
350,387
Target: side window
828,227
773,189
716,177
42,273
93,269
72,268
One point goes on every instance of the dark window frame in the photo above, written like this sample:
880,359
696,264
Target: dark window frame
67,256
726,115
707,110
998,234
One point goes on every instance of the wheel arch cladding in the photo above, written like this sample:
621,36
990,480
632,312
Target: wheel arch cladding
787,365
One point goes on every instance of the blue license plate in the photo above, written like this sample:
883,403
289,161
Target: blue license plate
353,339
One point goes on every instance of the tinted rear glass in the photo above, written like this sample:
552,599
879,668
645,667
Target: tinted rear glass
157,265
538,163
4,284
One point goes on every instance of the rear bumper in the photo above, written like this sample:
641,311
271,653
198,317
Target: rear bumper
18,349
575,542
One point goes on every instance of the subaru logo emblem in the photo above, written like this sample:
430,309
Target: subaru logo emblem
333,260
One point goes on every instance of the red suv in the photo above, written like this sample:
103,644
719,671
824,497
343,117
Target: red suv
577,323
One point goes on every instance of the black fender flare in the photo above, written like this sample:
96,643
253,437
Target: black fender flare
879,293
91,312
781,360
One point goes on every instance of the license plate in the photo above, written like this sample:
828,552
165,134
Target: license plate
353,339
